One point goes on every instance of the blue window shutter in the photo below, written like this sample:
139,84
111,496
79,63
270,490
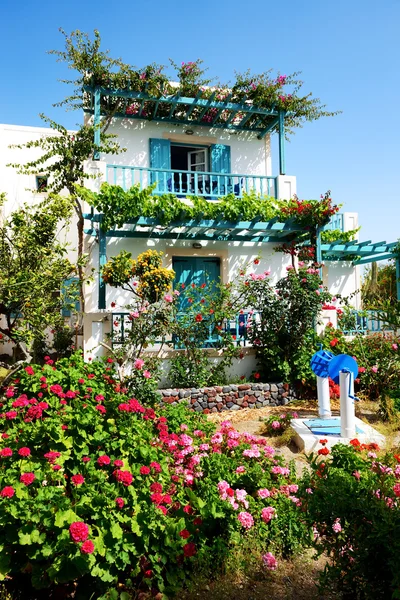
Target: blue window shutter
220,158
160,158
197,270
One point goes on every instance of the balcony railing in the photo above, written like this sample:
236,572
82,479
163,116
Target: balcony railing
237,327
191,183
363,321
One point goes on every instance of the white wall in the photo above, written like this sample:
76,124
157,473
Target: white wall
20,188
248,154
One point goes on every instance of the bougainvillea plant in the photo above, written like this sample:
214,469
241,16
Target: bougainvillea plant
94,67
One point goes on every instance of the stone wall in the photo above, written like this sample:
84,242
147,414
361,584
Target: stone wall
230,397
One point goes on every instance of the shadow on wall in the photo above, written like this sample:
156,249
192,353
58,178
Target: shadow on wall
342,278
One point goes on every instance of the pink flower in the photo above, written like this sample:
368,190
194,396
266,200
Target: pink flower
168,298
24,451
79,531
52,456
241,469
27,478
77,479
138,364
268,513
144,470
146,374
156,467
396,489
87,547
394,346
86,459
12,414
101,409
270,561
103,460
374,369
120,502
337,528
118,462
275,425
246,520
7,492
263,493
29,371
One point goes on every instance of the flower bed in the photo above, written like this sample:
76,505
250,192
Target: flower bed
230,397
118,497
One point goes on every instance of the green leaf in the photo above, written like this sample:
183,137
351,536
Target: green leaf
65,517
135,528
116,531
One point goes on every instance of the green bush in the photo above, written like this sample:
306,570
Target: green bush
99,490
352,500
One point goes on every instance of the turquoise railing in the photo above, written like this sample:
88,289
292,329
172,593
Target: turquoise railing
191,183
336,222
237,327
364,321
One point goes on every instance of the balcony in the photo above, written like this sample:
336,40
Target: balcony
192,183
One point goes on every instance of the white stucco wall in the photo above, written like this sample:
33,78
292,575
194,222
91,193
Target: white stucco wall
248,154
20,188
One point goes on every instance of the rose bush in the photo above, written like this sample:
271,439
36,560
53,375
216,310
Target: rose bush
97,489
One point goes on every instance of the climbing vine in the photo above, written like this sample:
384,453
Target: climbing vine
118,207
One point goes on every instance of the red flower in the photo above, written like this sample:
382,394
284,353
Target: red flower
7,492
79,531
77,479
323,451
29,371
156,498
334,342
119,502
156,487
52,456
6,452
189,549
27,478
148,573
323,442
355,443
86,459
188,509
256,261
184,534
197,521
118,463
87,547
124,477
257,375
156,467
113,305
24,451
103,460
101,409
198,318
81,380
144,470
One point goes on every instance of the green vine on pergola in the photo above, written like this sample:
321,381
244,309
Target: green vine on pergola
118,206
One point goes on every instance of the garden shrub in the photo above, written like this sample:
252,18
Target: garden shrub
351,497
100,490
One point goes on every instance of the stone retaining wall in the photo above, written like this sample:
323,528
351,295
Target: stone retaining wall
230,397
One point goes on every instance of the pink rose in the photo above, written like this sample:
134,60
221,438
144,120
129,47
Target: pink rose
138,364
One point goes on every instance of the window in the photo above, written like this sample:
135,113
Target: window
190,158
41,183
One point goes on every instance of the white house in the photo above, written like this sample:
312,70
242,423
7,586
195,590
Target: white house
183,159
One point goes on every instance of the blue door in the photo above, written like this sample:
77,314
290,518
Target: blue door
221,163
195,270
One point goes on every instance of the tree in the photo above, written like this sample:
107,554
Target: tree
379,286
63,162
33,271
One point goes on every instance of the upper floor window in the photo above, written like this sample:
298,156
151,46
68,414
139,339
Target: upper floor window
41,183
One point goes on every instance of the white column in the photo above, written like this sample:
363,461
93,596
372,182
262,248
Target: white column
347,411
324,401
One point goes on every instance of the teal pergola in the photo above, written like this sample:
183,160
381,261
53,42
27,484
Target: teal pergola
239,231
181,110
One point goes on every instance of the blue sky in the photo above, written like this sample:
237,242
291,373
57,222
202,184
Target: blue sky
348,52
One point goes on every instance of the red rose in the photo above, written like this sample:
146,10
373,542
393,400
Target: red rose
77,479
189,549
